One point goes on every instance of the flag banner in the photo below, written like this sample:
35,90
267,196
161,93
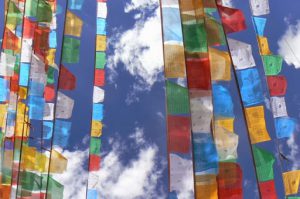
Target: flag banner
291,181
285,127
222,101
263,46
215,34
259,25
233,19
198,72
177,99
174,60
220,65
272,64
264,161
267,189
278,107
195,37
226,123
73,25
277,85
172,24
259,7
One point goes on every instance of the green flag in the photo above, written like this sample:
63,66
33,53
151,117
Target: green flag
50,75
195,37
272,64
14,16
95,146
177,99
264,161
30,181
100,60
55,189
70,50
31,8
44,12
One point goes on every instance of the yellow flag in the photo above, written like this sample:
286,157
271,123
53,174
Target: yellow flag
206,187
73,25
22,92
255,117
58,162
220,65
263,45
101,43
3,113
96,128
174,61
42,162
28,157
226,123
51,56
20,119
291,181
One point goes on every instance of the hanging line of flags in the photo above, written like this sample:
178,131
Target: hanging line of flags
179,143
98,98
284,125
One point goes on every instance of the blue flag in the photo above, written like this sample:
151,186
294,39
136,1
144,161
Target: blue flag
259,24
62,131
101,26
98,112
47,130
36,107
75,4
92,194
251,88
285,127
4,90
24,74
223,105
172,24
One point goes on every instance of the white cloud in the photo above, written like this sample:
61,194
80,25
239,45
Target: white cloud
294,152
139,49
289,44
138,136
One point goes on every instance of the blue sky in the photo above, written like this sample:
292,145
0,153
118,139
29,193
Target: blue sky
134,156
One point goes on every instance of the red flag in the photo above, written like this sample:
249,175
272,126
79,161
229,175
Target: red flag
277,85
230,181
67,81
49,93
94,163
233,19
179,134
10,40
41,40
267,190
99,77
14,83
198,73
29,27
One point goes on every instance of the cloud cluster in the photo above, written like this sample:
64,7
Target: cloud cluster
289,44
139,48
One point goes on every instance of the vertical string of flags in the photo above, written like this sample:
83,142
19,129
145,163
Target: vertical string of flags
284,125
179,142
98,99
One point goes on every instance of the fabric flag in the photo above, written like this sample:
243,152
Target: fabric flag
220,65
226,123
172,24
101,43
267,189
92,194
37,70
48,111
226,143
75,4
10,41
67,80
36,107
36,88
102,9
177,99
101,26
55,189
26,50
198,73
259,24
263,46
272,64
291,181
99,77
31,8
98,95
241,53
100,60
44,11
4,90
58,162
215,33
64,106
96,130
50,57
251,86
50,75
255,117
179,133
233,19
277,85
230,180
278,107
7,64
94,164
174,61
30,181
285,127
180,170
95,146
47,130
223,104
28,157
49,93
98,112
41,40
206,186
62,132
29,26
71,50
264,161
13,17
259,7
201,112
195,37
73,25
205,154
